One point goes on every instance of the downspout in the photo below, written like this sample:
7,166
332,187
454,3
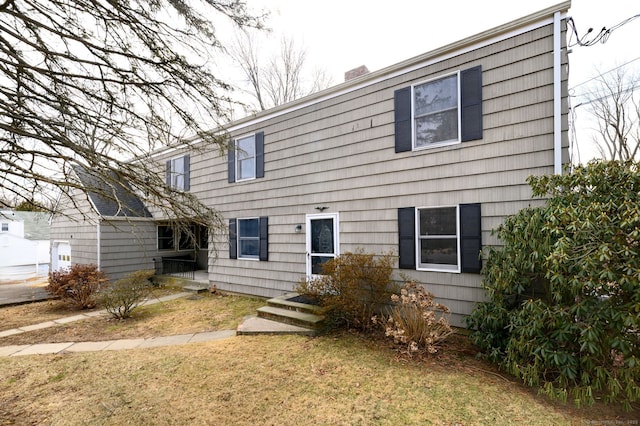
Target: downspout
557,94
98,245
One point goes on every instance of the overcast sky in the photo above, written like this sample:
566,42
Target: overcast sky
343,34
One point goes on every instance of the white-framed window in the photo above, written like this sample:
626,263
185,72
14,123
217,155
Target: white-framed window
436,112
249,238
245,157
177,173
438,230
5,227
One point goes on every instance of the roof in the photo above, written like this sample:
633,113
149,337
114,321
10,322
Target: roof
111,195
36,224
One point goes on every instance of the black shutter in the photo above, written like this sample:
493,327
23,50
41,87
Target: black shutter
407,238
402,109
471,94
187,172
470,238
264,238
233,239
259,155
231,162
167,176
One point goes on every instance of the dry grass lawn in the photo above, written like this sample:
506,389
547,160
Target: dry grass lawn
264,380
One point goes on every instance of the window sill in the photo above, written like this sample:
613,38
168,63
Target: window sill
436,145
451,271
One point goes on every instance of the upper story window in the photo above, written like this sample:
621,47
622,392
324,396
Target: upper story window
178,173
246,158
5,227
435,112
439,112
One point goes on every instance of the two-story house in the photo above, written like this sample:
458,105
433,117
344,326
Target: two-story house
423,158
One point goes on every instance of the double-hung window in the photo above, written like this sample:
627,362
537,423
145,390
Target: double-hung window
441,111
246,158
249,238
443,239
177,173
438,238
435,112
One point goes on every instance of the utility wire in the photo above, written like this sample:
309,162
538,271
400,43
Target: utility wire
601,37
590,101
603,73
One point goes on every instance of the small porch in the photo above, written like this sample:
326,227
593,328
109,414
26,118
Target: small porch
185,271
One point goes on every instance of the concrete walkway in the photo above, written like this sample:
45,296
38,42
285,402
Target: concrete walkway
107,345
251,325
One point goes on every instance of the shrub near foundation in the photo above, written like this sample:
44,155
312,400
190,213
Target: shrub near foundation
354,288
415,322
126,294
564,289
77,285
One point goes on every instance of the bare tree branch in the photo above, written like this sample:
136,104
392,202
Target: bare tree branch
98,83
280,78
614,102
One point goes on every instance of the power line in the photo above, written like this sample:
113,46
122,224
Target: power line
590,101
603,73
601,37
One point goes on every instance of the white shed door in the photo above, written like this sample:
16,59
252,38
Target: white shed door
61,256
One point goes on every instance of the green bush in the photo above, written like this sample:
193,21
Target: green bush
353,288
126,294
564,289
77,285
416,322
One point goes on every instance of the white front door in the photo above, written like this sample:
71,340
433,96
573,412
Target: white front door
322,241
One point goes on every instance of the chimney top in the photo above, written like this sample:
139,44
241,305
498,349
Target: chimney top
356,72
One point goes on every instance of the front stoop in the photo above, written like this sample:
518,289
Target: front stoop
301,318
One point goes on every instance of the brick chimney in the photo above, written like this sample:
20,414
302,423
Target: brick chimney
356,72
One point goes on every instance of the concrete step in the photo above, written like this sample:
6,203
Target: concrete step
286,302
254,325
288,316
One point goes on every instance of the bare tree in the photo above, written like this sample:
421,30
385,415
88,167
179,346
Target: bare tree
279,79
101,84
615,103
